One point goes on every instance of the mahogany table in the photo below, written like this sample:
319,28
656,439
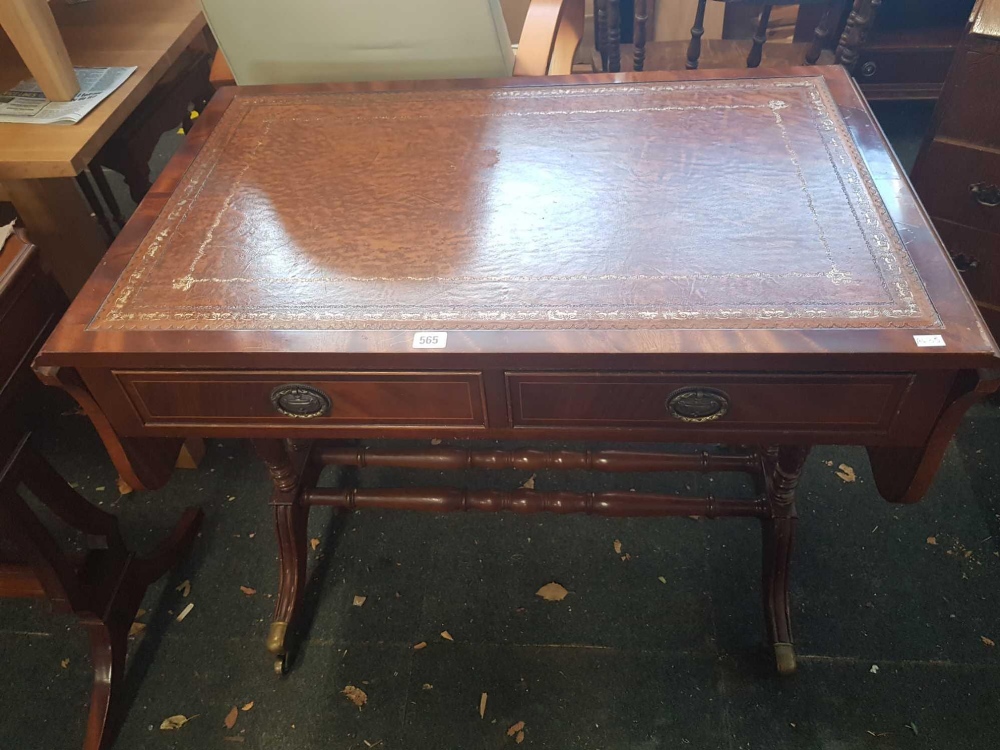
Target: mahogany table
720,257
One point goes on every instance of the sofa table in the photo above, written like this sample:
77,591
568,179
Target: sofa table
716,257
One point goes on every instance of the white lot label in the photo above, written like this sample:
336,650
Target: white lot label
430,339
922,340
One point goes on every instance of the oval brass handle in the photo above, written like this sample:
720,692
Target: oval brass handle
985,195
301,401
693,404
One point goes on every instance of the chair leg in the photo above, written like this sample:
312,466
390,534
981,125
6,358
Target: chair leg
101,180
109,637
778,532
697,31
95,205
757,50
108,648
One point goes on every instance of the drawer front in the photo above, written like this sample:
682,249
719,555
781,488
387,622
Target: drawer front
922,71
977,257
305,398
960,184
706,401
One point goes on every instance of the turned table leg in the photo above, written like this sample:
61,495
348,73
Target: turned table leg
778,530
290,517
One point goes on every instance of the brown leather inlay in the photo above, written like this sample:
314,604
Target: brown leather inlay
701,204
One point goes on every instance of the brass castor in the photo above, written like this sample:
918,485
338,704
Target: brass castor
281,665
784,658
276,645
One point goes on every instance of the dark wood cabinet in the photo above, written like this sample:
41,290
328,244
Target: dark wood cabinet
957,173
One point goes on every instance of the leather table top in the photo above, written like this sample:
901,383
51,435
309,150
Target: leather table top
739,203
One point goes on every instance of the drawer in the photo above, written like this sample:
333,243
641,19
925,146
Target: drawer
321,398
708,401
960,184
884,69
977,257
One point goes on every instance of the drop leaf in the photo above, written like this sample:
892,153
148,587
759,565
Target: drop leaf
231,717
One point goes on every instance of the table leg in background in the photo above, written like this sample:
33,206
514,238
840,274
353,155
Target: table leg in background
59,221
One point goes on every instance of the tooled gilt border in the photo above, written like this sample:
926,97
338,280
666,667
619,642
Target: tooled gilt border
887,255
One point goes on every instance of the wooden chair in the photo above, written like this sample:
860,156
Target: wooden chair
607,35
104,585
310,42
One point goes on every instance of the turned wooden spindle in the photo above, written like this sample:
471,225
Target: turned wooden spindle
757,50
614,36
859,24
601,30
457,459
639,34
697,31
823,30
614,503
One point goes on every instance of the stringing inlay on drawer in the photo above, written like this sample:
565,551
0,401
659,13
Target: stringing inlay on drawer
691,204
323,398
705,401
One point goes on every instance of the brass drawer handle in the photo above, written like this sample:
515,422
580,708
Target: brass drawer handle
697,404
300,401
985,194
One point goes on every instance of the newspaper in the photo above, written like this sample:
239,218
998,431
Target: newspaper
26,103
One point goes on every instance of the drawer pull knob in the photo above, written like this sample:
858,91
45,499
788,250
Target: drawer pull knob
698,404
985,195
301,401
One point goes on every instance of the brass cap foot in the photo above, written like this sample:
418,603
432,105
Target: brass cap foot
276,638
784,657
